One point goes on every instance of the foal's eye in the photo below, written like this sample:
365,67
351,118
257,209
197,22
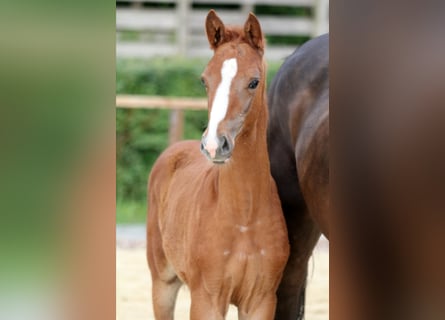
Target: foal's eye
253,84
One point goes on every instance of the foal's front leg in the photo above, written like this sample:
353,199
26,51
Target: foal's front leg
264,309
202,307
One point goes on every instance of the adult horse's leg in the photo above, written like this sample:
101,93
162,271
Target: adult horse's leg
302,231
303,235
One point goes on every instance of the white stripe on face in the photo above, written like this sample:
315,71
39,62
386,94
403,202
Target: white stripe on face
220,103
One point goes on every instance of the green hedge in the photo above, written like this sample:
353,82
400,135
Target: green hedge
141,135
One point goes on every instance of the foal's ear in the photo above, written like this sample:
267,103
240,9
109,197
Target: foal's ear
252,29
214,29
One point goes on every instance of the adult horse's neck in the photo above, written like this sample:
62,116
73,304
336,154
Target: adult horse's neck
244,182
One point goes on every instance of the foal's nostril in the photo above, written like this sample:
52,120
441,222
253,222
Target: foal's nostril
225,147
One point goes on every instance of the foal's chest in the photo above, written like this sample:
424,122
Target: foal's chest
247,258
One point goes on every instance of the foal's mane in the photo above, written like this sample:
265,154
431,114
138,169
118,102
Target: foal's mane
237,35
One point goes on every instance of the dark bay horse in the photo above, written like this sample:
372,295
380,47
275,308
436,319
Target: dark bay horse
298,134
215,220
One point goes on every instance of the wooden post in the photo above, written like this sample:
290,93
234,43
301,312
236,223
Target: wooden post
177,116
321,19
176,127
183,8
136,5
246,7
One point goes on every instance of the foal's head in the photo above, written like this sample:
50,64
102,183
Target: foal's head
233,78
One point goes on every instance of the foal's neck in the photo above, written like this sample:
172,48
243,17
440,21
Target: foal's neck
246,179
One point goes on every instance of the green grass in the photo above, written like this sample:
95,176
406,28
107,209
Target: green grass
128,211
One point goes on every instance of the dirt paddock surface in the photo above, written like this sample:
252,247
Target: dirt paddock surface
133,285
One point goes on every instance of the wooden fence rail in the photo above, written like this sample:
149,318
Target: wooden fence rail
177,106
160,102
178,29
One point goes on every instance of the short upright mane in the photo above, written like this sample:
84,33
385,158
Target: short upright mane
235,34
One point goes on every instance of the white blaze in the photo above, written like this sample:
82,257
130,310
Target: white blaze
220,103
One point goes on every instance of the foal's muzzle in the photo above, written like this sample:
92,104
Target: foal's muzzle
217,150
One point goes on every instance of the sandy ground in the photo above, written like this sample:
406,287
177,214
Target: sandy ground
133,287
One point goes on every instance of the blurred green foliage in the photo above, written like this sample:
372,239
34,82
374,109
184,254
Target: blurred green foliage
131,212
141,135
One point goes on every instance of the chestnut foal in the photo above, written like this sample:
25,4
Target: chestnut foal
215,221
